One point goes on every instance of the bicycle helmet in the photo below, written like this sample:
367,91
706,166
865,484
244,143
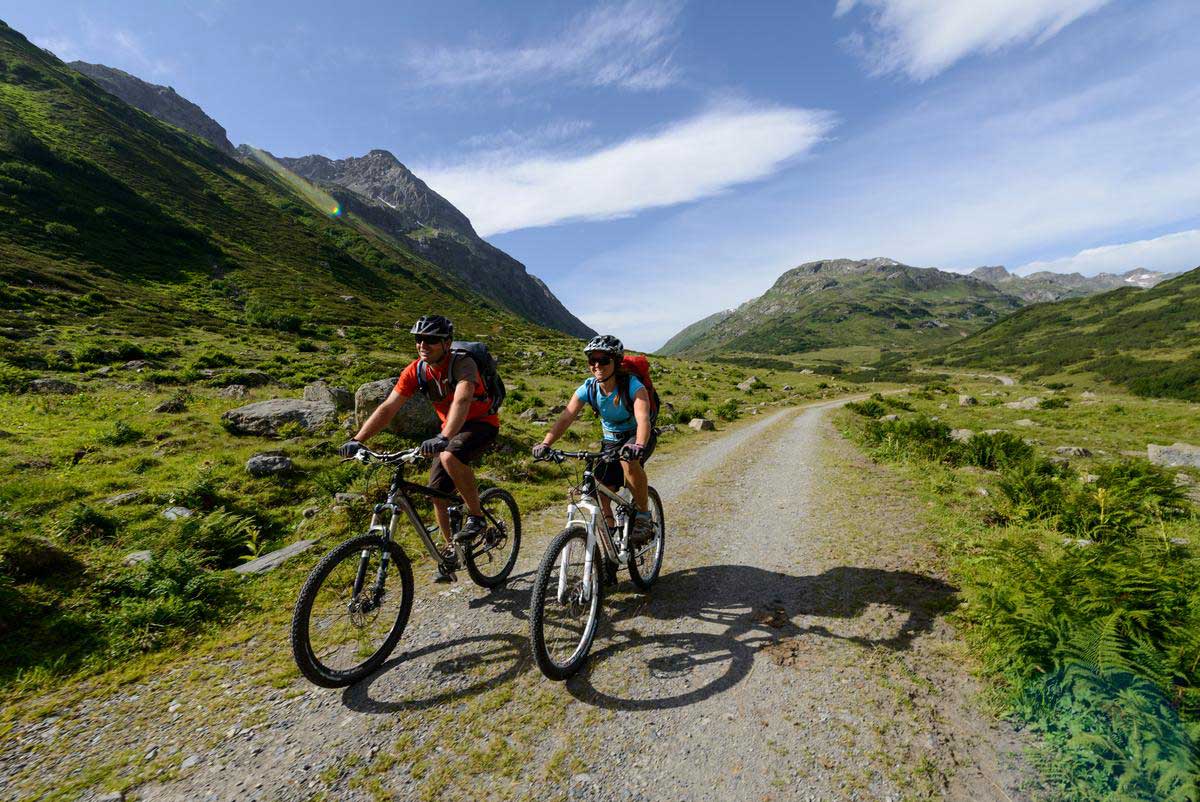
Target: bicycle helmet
607,344
434,326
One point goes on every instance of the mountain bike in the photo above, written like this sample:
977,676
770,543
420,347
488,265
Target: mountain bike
355,604
581,560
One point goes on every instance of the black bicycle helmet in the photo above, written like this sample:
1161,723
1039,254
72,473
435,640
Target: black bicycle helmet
607,344
434,326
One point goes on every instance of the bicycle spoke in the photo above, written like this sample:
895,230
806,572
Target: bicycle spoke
345,629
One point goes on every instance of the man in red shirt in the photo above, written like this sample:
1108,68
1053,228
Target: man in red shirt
469,427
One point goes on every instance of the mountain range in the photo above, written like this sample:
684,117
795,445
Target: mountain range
1046,286
844,302
382,193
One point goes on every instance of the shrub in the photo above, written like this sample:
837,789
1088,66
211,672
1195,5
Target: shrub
729,410
918,437
992,451
869,408
1053,403
265,315
61,231
121,434
26,557
211,359
221,535
13,379
1124,498
83,523
200,493
1033,490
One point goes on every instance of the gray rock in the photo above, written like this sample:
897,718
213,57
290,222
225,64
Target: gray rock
415,419
1024,422
565,362
189,761
112,796
264,418
1072,451
992,431
787,387
136,364
253,378
1030,402
749,384
268,463
967,401
961,435
1183,480
123,498
275,558
557,409
670,427
529,414
893,416
1179,455
172,405
135,557
237,391
322,392
175,513
349,498
1088,395
310,512
104,371
807,372
702,424
52,387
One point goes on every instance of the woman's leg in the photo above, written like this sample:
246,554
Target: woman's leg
635,478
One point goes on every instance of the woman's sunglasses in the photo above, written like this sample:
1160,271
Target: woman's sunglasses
599,360
428,340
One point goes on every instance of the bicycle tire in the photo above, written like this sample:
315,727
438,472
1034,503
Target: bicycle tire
643,582
543,591
306,658
495,495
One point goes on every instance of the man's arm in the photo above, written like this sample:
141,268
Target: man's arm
382,416
464,394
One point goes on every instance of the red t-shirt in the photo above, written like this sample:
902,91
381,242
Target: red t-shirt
440,391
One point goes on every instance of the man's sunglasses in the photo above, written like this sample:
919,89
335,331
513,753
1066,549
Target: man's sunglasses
600,360
428,340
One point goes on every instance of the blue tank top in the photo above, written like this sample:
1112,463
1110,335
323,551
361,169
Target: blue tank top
616,420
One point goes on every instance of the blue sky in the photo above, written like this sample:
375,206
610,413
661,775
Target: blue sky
655,162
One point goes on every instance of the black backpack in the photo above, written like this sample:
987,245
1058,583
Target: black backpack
492,383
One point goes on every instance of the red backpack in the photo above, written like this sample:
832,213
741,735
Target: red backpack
634,365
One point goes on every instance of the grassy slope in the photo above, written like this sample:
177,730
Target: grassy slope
1143,340
693,334
799,315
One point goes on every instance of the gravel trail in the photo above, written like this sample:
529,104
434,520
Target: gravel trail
795,647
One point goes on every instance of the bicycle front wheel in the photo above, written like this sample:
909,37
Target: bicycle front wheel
566,605
490,557
646,561
352,610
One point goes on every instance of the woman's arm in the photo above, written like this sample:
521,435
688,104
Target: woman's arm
641,411
564,421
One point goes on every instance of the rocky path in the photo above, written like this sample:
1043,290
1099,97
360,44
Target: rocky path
794,648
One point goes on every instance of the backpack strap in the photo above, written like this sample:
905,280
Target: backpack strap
591,395
422,378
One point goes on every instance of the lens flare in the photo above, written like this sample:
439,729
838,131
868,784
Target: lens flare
310,192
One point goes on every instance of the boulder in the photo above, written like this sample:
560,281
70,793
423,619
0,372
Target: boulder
268,463
890,417
136,364
992,431
749,384
787,387
236,391
1024,422
324,393
350,498
174,404
807,372
1179,455
1030,402
264,418
961,435
175,513
415,419
275,558
967,401
1072,451
52,387
123,498
565,362
529,415
702,424
135,557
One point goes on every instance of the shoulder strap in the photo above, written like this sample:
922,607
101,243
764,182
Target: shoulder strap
590,384
623,387
422,379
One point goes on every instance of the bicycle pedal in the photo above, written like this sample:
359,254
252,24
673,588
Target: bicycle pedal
445,575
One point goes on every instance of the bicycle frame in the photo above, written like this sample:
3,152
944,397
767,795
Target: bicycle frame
588,513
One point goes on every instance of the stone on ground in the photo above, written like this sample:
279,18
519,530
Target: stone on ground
1072,451
237,391
268,463
264,418
967,401
175,513
702,424
415,419
275,558
1030,402
53,387
325,393
961,435
1179,455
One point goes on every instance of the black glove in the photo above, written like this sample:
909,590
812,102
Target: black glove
350,448
541,451
435,445
632,451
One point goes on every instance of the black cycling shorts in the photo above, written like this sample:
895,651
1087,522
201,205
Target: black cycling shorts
468,445
611,473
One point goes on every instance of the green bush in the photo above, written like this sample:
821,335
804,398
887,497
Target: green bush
729,410
213,359
13,379
1057,402
265,315
119,435
221,535
869,408
994,450
28,557
82,523
918,437
62,231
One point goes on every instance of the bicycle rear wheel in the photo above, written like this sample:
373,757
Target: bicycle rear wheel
351,611
491,557
646,562
565,608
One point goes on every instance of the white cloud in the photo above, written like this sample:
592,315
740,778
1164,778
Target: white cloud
61,46
923,37
1168,254
696,158
626,45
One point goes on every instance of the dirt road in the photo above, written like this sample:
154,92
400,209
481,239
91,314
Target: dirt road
794,648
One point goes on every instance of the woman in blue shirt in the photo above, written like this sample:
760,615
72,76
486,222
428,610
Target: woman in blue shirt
623,405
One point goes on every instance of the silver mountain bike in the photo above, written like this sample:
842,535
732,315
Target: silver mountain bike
581,561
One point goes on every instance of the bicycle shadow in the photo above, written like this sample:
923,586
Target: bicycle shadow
512,598
723,615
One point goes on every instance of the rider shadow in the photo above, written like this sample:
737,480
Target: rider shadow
739,610
504,651
490,661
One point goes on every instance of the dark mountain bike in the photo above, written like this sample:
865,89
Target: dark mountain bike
355,604
581,560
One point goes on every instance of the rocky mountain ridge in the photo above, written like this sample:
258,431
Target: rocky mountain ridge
1047,286
840,302
162,102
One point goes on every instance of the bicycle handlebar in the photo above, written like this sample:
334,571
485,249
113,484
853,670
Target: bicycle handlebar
366,456
555,455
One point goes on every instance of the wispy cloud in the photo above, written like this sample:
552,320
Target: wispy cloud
64,47
1169,253
920,38
104,44
540,137
696,158
626,45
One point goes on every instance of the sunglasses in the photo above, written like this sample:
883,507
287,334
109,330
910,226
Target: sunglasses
600,360
428,340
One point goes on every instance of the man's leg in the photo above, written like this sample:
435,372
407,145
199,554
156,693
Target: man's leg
464,480
442,510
